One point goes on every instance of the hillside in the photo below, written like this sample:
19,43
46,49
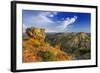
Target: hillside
37,49
76,44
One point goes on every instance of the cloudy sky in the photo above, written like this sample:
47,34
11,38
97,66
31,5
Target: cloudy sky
53,21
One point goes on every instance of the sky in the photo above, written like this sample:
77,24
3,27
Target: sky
53,21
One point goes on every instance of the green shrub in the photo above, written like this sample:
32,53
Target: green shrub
48,56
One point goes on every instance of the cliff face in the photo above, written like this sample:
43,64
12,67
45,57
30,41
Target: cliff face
35,49
79,40
77,44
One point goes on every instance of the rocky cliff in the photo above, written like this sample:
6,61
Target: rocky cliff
77,44
36,49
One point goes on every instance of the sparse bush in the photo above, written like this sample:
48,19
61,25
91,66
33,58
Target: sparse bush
48,56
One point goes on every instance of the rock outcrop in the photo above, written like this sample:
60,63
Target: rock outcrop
36,49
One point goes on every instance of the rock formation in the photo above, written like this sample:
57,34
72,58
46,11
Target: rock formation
36,49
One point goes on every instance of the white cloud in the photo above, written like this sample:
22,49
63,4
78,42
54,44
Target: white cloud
25,26
48,13
42,21
51,15
68,21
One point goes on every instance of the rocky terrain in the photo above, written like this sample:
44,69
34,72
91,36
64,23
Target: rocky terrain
78,45
39,46
37,49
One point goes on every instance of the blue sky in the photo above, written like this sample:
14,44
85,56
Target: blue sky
53,21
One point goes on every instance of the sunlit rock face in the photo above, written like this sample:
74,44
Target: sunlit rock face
36,49
36,33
